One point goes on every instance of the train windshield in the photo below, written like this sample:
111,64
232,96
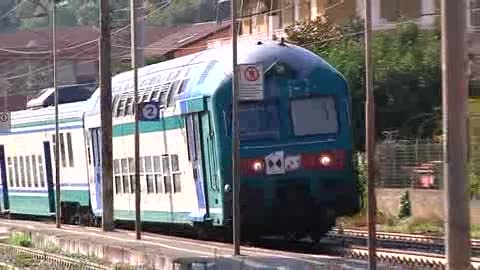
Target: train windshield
259,120
314,116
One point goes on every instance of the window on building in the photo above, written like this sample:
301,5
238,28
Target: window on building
475,13
288,12
394,10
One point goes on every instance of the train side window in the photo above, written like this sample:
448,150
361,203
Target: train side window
133,180
27,166
131,169
142,165
158,174
117,176
149,180
118,184
17,174
146,97
131,165
54,146
172,93
10,171
116,166
22,171
40,171
183,86
70,149
62,150
166,174
121,107
177,187
155,95
164,94
124,166
34,171
129,109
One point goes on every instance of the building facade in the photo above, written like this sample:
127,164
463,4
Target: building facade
283,13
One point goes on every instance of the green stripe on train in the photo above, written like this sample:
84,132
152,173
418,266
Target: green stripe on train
167,123
159,216
46,122
38,205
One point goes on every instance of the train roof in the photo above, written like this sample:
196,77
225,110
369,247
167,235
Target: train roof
202,73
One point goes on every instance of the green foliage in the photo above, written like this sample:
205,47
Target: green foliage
407,77
154,60
19,239
185,12
360,171
405,207
24,260
474,188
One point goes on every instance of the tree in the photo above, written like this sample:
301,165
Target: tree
35,13
8,20
185,12
407,79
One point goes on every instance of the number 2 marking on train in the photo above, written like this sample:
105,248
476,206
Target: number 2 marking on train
150,112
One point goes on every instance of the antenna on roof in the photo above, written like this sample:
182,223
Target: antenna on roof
282,41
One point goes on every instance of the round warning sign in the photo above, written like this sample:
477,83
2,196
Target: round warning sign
4,117
251,74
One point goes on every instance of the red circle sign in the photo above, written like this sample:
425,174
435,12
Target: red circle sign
251,74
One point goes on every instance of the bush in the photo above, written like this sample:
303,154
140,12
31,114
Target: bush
405,207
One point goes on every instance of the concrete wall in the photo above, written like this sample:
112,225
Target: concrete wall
426,204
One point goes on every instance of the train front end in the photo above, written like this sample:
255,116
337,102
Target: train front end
296,168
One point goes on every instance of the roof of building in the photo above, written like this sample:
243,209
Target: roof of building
183,36
80,40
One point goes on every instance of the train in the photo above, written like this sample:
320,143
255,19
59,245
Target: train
295,130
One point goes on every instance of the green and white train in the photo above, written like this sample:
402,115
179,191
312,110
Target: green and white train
296,146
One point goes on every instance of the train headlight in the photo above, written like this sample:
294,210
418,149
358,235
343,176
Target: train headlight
258,166
325,160
252,166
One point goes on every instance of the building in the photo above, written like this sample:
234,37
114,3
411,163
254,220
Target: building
283,13
26,64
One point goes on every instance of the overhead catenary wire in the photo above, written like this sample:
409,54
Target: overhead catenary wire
26,52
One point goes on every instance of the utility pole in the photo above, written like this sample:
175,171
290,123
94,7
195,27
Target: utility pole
58,213
140,34
370,139
106,116
133,25
235,137
455,98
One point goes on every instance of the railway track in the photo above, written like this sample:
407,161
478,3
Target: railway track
55,260
410,259
415,238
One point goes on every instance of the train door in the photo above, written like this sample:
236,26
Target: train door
3,174
95,181
210,157
49,176
193,127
